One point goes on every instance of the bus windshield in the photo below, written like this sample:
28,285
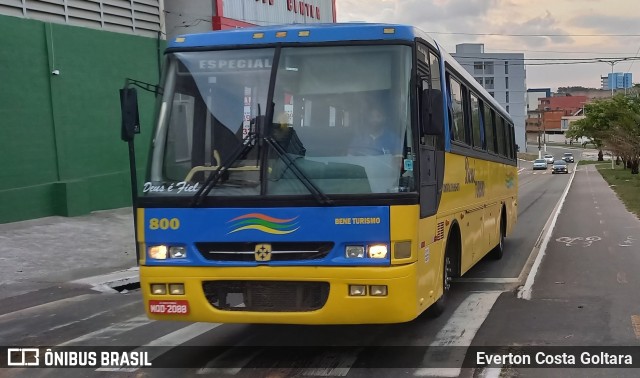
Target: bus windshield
338,119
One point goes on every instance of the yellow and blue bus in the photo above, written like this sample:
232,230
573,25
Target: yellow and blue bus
268,198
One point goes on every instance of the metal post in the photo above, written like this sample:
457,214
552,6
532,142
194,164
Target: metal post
134,195
539,147
612,64
612,167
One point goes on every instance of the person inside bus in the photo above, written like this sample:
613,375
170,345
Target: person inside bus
283,133
377,137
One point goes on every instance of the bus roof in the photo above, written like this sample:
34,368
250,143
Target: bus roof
316,33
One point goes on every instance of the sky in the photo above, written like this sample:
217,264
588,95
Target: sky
541,29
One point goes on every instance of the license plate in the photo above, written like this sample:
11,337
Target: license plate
179,307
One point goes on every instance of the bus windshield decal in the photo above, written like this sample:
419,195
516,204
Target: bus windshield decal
175,187
234,64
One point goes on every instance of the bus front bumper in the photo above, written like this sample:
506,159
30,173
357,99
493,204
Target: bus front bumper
400,304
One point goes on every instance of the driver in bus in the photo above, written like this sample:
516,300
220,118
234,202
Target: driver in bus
377,137
284,134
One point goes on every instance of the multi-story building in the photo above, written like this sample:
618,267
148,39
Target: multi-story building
617,80
66,157
503,76
533,124
205,15
552,118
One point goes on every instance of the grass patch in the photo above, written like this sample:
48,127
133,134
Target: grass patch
626,185
589,162
526,156
574,145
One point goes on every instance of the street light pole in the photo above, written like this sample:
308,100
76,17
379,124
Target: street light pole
612,64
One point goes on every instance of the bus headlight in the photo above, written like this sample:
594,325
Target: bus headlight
378,290
177,252
158,289
158,252
354,251
377,251
176,289
357,290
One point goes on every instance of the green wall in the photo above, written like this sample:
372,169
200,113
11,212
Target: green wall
60,147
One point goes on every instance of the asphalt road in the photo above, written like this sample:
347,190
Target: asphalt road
582,295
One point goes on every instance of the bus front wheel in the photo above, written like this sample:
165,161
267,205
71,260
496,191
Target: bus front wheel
498,251
437,308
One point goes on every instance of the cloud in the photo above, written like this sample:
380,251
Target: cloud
547,26
558,22
607,24
442,13
460,16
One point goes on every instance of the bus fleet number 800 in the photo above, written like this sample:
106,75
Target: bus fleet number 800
164,223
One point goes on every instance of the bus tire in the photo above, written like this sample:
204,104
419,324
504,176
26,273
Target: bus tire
498,251
438,307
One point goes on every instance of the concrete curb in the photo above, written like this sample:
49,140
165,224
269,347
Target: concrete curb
110,281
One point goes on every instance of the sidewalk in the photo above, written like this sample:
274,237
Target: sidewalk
43,252
587,290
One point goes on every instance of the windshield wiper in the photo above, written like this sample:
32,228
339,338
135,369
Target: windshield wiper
311,187
247,144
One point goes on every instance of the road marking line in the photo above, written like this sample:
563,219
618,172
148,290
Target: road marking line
42,307
340,365
111,331
497,280
635,321
168,341
525,291
491,372
228,356
459,332
78,321
333,364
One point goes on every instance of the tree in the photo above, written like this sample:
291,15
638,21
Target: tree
613,123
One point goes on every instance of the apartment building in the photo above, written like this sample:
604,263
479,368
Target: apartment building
503,75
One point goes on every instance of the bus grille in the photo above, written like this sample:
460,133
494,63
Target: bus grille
281,251
266,296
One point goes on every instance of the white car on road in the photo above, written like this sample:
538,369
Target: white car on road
549,159
539,164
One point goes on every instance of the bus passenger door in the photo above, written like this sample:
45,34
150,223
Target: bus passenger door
431,129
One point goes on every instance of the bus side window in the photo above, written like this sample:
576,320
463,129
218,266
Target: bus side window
456,111
430,104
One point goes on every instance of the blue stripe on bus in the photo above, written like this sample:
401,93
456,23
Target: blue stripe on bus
349,225
317,33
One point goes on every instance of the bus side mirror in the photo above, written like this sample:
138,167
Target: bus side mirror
130,116
431,108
